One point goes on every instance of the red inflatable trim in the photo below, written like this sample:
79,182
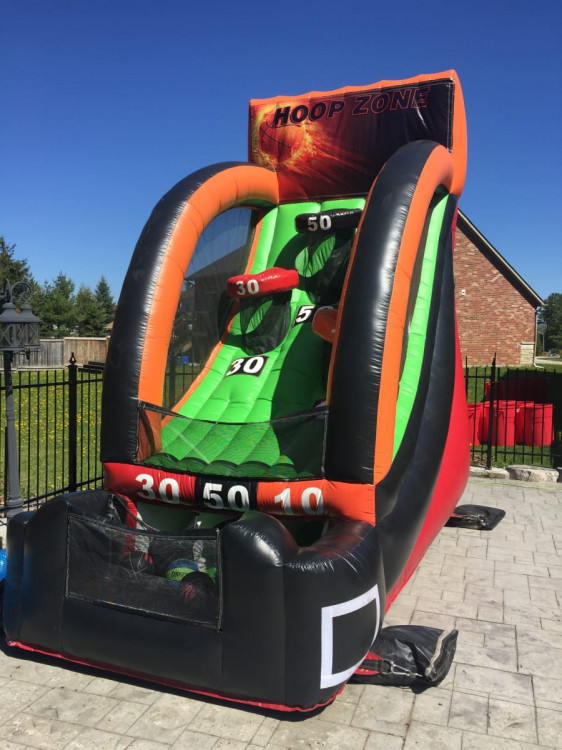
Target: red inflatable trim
271,281
302,497
172,683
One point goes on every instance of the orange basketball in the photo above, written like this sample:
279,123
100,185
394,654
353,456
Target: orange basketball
281,142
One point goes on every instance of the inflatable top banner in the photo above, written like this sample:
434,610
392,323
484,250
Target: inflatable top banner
334,143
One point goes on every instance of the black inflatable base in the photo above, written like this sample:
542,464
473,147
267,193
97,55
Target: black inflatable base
270,623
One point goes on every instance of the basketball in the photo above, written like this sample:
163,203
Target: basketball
177,570
281,142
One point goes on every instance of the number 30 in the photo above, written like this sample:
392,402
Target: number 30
247,366
251,286
168,489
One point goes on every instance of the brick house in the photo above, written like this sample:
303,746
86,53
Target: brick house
496,308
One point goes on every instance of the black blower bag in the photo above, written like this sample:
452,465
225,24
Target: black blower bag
404,655
479,517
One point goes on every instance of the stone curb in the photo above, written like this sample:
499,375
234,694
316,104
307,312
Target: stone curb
538,474
522,473
493,473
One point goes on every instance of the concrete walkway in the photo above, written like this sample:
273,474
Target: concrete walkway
502,590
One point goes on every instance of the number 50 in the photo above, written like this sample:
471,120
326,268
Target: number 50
319,221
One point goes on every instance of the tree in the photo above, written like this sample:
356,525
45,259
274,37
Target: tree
62,312
13,270
89,313
105,300
553,318
57,308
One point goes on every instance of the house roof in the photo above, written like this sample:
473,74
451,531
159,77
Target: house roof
490,252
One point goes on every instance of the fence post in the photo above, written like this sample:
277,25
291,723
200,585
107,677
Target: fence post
72,422
491,414
14,500
172,382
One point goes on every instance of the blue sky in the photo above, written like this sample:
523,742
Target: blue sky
106,105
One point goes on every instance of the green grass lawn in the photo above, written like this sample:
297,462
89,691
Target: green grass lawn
41,402
479,376
519,384
508,455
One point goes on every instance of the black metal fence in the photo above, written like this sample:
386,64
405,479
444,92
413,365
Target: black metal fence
515,415
58,427
58,418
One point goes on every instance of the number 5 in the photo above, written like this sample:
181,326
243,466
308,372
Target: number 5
211,495
304,313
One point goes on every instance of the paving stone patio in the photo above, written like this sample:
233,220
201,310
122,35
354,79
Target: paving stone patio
501,589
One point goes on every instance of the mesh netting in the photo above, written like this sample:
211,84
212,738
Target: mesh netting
322,265
287,448
169,576
264,322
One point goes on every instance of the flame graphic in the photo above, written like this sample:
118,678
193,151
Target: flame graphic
308,154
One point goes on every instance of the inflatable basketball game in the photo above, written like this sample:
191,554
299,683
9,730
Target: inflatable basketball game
284,426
